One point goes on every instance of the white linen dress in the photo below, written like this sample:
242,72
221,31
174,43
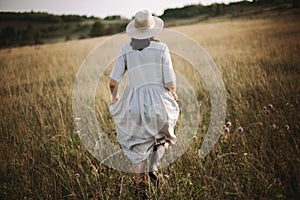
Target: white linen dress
147,112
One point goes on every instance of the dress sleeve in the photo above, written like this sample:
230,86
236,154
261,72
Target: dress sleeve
119,67
168,71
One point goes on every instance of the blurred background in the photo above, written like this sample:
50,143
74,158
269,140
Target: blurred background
38,22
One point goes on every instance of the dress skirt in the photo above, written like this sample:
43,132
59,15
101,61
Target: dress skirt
144,116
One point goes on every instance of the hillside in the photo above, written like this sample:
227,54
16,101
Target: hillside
19,29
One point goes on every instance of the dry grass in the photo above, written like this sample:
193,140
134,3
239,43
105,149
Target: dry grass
43,158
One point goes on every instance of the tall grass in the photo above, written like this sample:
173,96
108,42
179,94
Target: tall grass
42,156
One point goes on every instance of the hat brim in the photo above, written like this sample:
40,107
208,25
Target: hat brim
144,33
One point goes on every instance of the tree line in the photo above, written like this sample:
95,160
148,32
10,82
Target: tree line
17,29
219,9
41,17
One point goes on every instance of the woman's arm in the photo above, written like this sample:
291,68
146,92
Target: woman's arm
116,75
169,76
172,88
113,85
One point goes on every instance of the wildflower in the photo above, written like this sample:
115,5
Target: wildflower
240,129
226,130
77,118
265,108
245,154
77,175
267,112
287,127
228,124
274,126
270,106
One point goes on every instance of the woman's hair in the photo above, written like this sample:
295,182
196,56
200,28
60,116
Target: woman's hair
137,44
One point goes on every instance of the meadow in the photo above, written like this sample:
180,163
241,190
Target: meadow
42,156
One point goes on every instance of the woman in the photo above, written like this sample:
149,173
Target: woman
146,114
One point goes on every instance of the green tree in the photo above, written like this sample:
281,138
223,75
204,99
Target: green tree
68,37
97,29
8,36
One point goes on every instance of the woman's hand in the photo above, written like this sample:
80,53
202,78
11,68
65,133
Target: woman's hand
113,85
114,100
174,96
171,88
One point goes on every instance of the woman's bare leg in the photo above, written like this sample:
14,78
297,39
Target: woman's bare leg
138,170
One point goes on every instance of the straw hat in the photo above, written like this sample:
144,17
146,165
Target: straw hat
144,25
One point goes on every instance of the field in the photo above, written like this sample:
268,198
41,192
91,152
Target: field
42,156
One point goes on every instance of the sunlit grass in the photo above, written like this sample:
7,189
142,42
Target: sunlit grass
42,156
